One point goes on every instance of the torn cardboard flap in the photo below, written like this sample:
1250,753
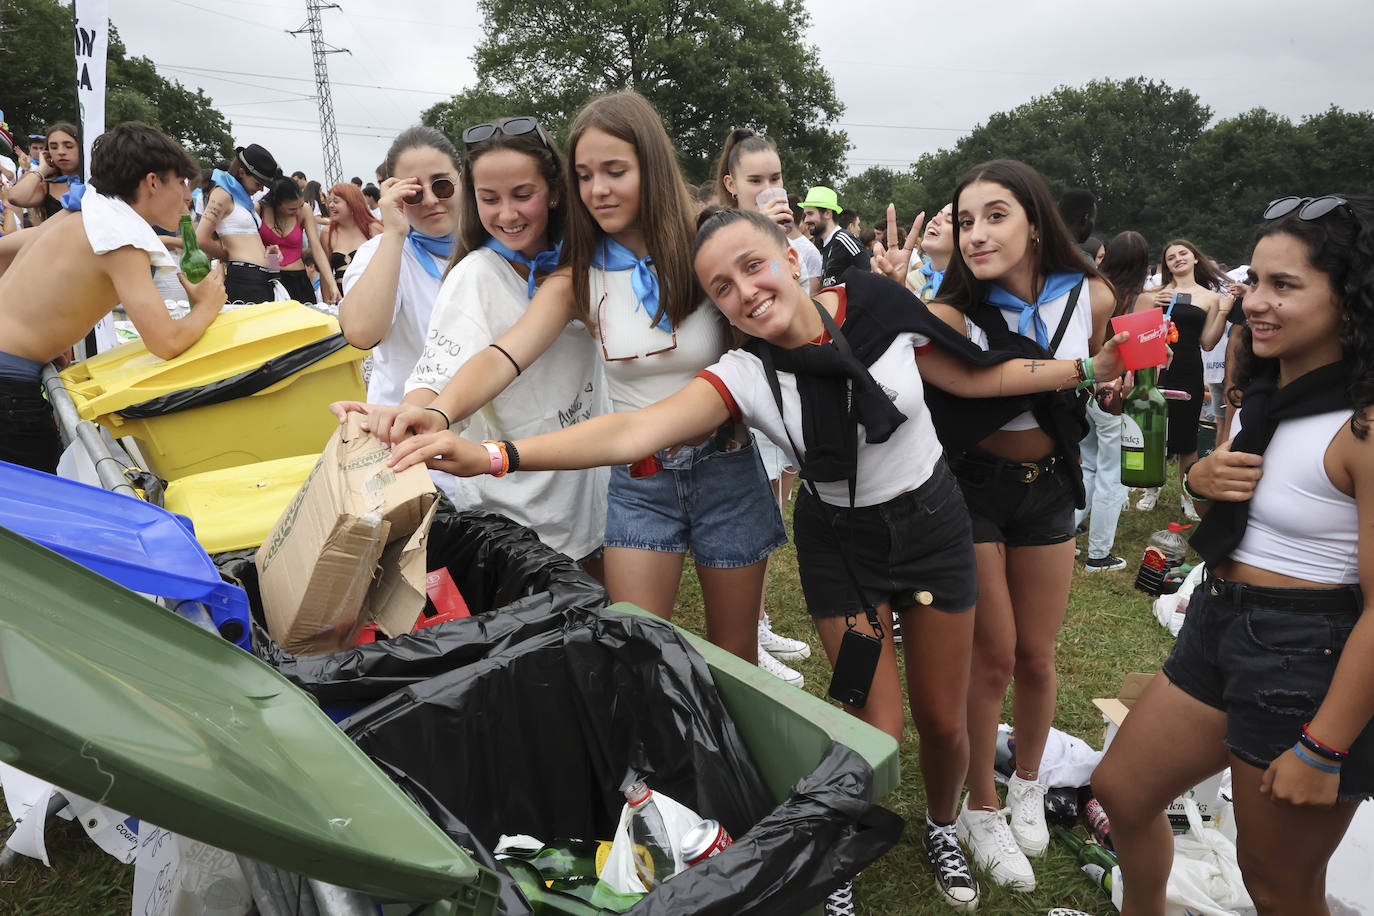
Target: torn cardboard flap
1114,709
326,567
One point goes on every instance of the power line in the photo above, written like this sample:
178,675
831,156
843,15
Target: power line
302,79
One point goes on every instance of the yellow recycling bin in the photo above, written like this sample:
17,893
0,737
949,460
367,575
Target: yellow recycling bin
255,387
235,508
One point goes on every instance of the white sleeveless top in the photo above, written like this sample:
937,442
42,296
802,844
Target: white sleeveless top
1073,345
1300,524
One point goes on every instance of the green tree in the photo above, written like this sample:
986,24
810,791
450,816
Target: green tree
1123,140
872,190
707,67
37,56
1340,153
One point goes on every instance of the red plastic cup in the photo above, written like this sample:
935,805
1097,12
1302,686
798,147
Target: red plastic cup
1146,346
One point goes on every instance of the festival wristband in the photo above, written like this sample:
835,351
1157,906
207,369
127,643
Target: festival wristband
1189,491
447,422
498,459
1083,369
1315,763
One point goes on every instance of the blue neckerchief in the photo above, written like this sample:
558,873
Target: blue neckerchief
933,277
236,190
70,181
440,246
72,199
615,256
546,261
1056,285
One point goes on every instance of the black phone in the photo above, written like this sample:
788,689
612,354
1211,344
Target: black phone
1183,299
854,668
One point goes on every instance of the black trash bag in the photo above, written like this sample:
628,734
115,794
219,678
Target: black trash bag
537,737
826,831
238,386
497,565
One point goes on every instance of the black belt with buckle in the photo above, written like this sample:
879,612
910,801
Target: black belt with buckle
987,464
1337,600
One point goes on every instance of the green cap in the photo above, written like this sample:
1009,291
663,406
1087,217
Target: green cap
822,198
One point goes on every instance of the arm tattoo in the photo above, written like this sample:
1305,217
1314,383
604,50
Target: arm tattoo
1034,365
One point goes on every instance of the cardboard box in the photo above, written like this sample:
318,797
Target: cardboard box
348,549
1114,711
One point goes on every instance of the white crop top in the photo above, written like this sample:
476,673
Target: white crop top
238,221
644,365
1073,345
1300,524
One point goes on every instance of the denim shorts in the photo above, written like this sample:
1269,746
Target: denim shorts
1019,503
1265,657
918,541
715,502
28,435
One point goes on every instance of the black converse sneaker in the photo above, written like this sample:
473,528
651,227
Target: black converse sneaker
952,874
841,900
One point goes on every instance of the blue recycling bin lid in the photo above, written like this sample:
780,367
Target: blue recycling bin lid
141,546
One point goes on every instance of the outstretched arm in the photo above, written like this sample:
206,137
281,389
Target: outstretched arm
618,438
1016,376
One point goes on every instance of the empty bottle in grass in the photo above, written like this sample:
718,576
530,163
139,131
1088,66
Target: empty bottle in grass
1094,860
1098,824
194,262
647,830
1165,550
1144,422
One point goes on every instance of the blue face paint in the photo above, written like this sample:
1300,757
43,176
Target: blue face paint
777,271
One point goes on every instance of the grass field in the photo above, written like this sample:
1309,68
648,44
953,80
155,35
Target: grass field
1109,631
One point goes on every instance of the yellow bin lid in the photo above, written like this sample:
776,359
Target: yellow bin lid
237,341
235,508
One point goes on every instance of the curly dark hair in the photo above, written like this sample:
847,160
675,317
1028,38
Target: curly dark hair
1340,245
124,154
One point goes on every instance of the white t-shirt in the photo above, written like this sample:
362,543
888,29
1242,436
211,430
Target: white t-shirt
395,356
481,299
663,362
885,471
810,257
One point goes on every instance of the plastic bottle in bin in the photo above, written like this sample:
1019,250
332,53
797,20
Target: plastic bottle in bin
648,831
1165,550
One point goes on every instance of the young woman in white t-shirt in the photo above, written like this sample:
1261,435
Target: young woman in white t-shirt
629,280
513,214
908,531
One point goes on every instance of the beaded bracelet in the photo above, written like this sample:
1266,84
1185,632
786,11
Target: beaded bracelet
1083,368
512,455
1317,747
1313,762
447,422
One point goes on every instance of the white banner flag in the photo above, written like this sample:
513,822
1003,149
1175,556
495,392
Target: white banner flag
91,36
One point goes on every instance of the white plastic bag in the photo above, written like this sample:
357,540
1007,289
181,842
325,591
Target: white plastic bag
1170,609
1205,879
620,872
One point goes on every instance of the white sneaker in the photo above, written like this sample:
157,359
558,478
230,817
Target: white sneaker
1149,500
781,646
776,668
1189,511
1026,801
989,840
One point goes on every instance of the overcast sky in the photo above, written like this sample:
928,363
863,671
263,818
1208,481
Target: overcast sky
913,77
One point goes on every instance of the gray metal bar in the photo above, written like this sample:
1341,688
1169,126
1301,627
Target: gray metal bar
109,468
56,802
340,901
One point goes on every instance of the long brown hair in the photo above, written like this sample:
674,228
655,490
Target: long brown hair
1126,266
1055,251
471,233
1205,273
741,140
666,213
357,210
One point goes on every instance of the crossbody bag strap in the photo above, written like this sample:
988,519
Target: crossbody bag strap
1064,318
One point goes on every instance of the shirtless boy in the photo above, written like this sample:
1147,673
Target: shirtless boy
58,287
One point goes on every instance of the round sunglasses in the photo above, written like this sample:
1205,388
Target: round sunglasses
443,189
1309,208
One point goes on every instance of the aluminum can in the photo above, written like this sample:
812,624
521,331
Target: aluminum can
704,841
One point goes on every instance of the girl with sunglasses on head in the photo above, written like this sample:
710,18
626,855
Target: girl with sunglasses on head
288,223
881,519
1200,323
1273,671
1017,282
514,211
629,281
56,174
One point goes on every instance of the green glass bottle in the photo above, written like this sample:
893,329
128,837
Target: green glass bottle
1144,424
544,900
597,893
194,264
564,859
1095,861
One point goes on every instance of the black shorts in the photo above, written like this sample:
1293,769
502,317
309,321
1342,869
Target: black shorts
1265,657
247,282
28,434
918,541
1018,503
297,285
